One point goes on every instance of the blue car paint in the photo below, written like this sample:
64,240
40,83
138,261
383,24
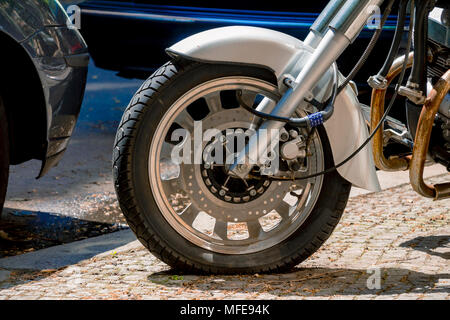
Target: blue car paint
267,19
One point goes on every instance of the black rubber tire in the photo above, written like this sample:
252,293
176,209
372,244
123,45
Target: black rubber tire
130,170
4,154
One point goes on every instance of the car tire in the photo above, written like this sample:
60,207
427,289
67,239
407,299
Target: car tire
4,154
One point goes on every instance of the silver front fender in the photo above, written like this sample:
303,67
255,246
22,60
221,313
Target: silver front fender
285,55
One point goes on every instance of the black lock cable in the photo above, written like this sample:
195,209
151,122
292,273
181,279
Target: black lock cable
312,120
402,8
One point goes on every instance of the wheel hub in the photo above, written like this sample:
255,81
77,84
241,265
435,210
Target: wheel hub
233,189
217,177
221,195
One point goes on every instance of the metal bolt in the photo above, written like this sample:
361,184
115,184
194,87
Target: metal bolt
293,133
284,135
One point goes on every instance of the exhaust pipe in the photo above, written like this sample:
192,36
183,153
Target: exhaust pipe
377,111
422,141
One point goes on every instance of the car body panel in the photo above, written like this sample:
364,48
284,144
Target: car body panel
21,19
60,56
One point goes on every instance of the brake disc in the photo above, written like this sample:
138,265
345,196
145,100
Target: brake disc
222,196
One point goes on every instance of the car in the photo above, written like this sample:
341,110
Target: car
44,68
130,36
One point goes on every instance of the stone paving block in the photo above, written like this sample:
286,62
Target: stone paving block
402,239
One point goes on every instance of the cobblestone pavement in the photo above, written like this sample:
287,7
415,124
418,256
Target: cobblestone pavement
395,234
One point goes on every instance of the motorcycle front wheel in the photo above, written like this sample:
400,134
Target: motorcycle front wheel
195,217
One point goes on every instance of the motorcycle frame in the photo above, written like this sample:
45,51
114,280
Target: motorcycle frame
310,64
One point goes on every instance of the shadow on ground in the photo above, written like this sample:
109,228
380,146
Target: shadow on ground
325,281
430,245
311,282
24,231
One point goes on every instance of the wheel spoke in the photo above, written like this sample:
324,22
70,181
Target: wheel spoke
304,195
299,187
221,229
284,210
189,215
214,102
248,97
166,150
185,120
255,230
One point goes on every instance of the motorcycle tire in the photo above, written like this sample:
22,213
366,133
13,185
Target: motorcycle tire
136,196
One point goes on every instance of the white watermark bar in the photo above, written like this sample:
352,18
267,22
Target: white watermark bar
374,280
214,147
74,14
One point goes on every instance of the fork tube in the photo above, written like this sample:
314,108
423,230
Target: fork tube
344,28
320,26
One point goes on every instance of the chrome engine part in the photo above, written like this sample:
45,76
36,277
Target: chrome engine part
439,62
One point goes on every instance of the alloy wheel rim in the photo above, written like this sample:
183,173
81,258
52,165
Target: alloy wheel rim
192,207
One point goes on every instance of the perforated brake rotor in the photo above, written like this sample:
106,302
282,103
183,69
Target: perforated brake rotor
217,198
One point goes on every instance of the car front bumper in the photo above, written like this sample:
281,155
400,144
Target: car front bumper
61,58
68,96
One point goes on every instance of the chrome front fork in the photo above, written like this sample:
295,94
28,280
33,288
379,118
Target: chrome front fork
334,30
